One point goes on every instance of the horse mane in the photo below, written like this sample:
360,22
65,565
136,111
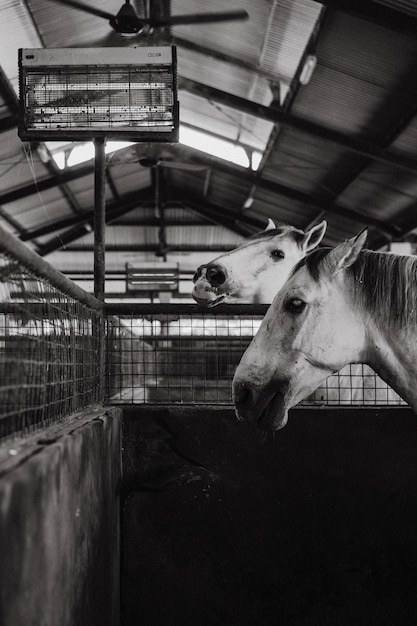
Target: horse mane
383,284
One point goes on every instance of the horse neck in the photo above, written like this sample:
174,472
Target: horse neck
393,355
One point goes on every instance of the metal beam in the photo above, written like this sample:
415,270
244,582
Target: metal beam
8,93
154,248
9,219
397,114
377,13
196,156
7,123
46,183
225,216
115,209
251,108
218,218
250,177
63,186
277,116
12,102
224,58
82,229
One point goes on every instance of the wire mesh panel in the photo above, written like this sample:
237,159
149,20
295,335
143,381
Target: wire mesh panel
355,384
175,354
164,354
49,346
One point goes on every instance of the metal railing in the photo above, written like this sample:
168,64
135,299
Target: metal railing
51,339
182,354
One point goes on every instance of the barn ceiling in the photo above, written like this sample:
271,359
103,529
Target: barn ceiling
339,143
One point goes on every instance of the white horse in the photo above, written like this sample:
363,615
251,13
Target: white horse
255,270
339,306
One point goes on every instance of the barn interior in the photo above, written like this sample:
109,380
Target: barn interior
130,493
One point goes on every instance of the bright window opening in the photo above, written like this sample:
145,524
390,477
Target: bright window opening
74,153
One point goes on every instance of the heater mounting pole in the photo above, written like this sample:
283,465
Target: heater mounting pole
99,218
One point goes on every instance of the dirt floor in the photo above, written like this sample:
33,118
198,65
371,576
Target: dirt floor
314,527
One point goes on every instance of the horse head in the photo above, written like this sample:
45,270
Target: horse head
311,329
255,270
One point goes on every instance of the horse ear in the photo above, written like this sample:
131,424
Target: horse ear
270,225
313,236
345,254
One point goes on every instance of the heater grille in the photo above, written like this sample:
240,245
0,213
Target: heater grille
82,99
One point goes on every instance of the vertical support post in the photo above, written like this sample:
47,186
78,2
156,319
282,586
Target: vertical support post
99,218
100,247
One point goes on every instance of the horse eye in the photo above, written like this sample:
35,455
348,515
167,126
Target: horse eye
295,305
277,254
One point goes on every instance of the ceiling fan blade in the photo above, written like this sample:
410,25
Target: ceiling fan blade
198,18
87,8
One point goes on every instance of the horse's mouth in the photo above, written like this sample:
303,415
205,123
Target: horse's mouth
268,412
209,303
274,415
216,301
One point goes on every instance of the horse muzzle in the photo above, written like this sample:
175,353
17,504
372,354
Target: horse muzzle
263,407
205,296
210,284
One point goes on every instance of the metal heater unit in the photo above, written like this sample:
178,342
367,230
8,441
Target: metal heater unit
152,277
84,93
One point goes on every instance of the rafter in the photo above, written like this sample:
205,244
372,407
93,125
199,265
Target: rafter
220,216
250,177
220,56
114,210
276,116
46,183
155,248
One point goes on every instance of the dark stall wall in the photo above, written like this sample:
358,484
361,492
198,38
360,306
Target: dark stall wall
316,526
59,525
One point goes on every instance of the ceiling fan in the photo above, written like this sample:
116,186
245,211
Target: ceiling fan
128,23
152,157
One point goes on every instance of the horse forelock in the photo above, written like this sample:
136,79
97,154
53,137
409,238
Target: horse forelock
383,284
281,229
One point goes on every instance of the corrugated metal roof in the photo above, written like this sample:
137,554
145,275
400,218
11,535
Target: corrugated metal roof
359,48
289,29
353,105
406,6
383,192
19,167
302,162
228,37
359,102
16,30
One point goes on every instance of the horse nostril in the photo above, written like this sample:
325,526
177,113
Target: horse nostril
215,275
197,273
242,394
